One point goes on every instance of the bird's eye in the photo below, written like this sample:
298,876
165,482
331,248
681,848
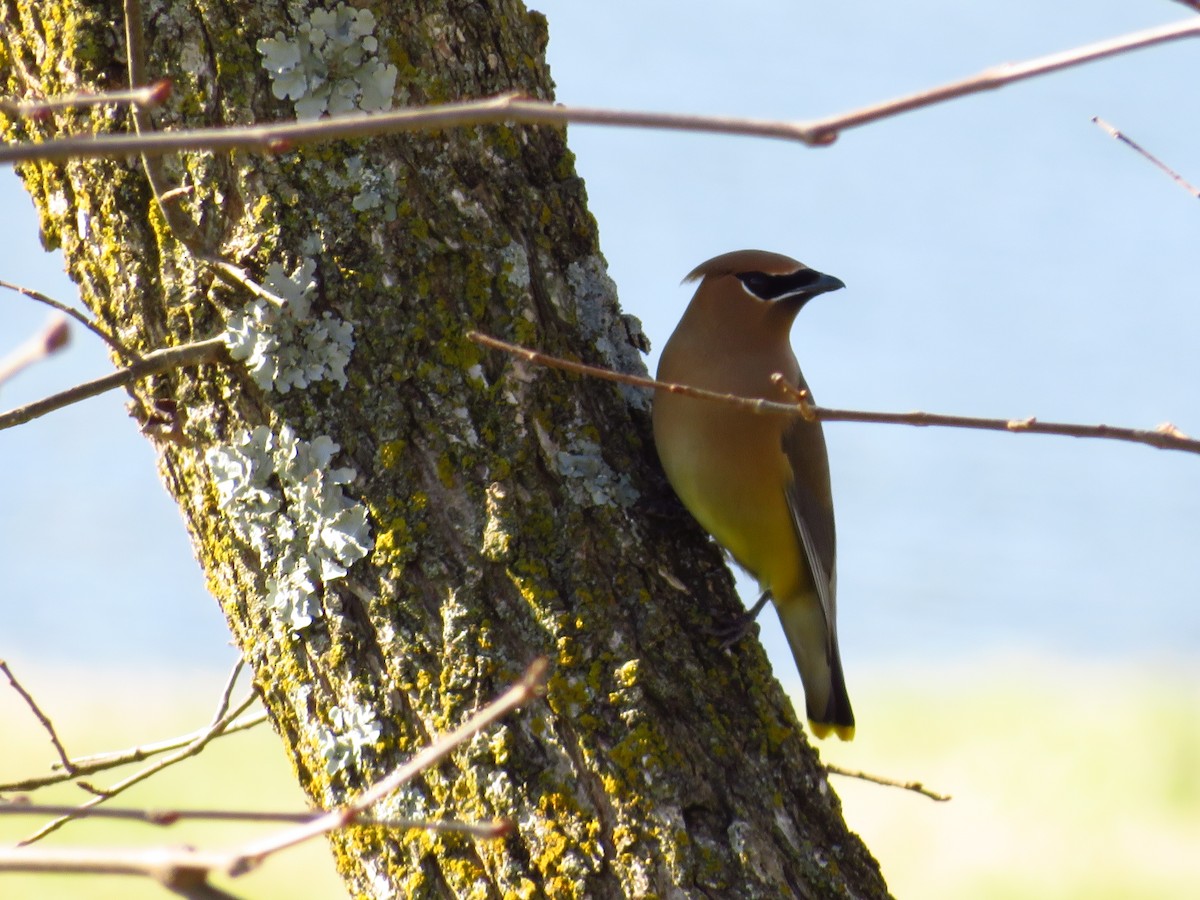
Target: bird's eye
772,287
757,283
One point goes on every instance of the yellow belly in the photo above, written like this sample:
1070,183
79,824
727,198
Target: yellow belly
729,469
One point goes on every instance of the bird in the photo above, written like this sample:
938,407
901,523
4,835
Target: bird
758,483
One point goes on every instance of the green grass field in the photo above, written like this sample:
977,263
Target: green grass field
1068,781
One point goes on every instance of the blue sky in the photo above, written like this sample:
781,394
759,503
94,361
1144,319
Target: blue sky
1002,257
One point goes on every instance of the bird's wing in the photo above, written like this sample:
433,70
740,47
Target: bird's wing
811,506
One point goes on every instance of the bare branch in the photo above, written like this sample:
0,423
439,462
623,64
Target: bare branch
37,712
99,861
227,692
52,337
74,314
511,109
114,759
81,766
186,752
553,362
1165,437
163,818
1006,74
186,871
1134,145
145,97
518,695
152,364
914,786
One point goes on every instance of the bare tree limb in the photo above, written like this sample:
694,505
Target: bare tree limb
511,109
101,762
145,97
914,786
80,766
38,714
1146,154
1165,437
52,337
518,695
73,313
227,692
215,729
166,817
151,364
186,870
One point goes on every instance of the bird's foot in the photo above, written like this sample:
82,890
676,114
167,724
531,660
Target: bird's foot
733,630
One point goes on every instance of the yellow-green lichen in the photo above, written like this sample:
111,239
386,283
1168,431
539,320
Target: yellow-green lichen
447,469
394,543
565,844
627,675
567,693
640,753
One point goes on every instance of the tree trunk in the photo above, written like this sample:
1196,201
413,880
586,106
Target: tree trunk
494,511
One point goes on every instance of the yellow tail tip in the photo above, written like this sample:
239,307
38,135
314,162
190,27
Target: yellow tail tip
822,730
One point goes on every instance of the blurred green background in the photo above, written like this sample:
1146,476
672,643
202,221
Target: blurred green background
1068,781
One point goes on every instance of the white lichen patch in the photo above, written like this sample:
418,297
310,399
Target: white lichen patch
352,729
465,432
589,479
406,802
515,266
499,790
283,345
497,538
284,499
469,206
374,187
591,299
330,64
57,204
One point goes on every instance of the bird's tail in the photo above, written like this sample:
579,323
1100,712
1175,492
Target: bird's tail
815,649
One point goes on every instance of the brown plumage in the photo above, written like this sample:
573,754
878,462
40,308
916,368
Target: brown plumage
758,483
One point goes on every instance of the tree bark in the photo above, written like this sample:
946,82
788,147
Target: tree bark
503,511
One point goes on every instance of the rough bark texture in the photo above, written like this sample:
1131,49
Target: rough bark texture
513,511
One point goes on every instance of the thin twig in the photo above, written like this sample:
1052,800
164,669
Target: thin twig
518,695
187,870
138,777
1009,73
52,337
151,364
751,404
74,314
82,766
511,109
114,759
38,714
182,228
1146,154
102,762
914,786
103,860
1165,437
235,274
227,692
145,97
166,817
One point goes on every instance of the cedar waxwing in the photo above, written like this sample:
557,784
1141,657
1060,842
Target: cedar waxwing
759,483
